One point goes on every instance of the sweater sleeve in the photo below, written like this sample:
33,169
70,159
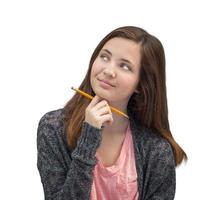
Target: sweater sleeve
60,182
162,181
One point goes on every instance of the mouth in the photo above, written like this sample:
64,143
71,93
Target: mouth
106,83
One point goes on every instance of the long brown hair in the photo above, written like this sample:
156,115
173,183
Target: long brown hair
150,102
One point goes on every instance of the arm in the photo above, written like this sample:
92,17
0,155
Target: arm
162,181
59,181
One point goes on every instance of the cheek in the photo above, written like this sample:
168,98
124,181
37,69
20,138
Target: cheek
96,67
128,82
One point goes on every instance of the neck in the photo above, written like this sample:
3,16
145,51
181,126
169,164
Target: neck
119,125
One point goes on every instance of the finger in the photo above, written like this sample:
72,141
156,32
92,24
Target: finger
101,104
106,118
110,110
110,122
103,111
95,100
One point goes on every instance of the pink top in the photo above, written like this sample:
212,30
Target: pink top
118,181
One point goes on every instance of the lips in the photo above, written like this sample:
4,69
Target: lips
107,82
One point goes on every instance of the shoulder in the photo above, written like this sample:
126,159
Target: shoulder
153,146
51,120
51,137
148,140
157,141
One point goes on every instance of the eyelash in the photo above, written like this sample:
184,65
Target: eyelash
122,64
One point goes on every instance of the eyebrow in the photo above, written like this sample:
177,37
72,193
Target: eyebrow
123,59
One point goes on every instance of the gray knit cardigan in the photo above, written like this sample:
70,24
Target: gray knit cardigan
67,175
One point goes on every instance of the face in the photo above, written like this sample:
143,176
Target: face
115,72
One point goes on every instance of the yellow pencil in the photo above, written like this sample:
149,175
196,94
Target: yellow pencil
91,97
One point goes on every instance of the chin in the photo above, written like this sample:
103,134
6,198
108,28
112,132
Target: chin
101,94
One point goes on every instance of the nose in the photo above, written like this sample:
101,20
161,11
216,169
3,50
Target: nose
109,71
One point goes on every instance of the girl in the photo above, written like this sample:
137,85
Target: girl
86,151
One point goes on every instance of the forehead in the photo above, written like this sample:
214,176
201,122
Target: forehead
124,48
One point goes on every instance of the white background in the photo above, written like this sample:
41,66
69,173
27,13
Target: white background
45,47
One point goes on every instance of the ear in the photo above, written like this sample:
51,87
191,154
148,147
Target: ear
136,91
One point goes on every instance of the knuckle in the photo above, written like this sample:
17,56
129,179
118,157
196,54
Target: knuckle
104,101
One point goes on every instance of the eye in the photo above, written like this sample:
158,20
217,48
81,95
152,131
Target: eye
104,57
125,66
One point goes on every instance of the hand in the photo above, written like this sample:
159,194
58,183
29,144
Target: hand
98,112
